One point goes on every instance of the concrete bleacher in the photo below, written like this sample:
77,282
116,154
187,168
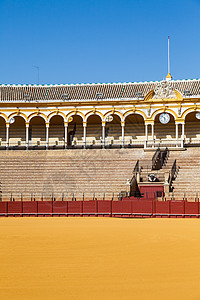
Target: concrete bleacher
67,171
187,183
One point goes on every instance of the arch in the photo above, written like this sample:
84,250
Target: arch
75,130
94,129
90,113
161,110
2,131
188,111
164,132
37,130
56,113
17,131
134,130
111,112
192,127
36,114
137,112
20,114
56,131
113,129
72,113
4,117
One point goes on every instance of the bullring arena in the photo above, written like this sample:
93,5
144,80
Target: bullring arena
115,168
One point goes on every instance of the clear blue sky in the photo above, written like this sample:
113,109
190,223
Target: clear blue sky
98,41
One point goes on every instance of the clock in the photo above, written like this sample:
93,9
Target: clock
164,118
12,120
198,115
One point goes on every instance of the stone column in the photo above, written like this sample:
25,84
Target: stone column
146,132
152,134
84,134
183,135
47,136
176,134
27,137
123,125
7,135
103,134
66,132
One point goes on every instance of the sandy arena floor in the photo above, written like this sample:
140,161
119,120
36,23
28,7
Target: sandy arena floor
99,258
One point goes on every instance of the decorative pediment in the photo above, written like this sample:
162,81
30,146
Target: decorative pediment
164,90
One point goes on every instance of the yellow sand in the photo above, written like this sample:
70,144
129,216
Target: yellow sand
99,258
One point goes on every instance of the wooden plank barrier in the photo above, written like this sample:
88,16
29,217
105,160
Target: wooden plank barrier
103,208
89,208
15,209
60,208
45,208
30,208
3,209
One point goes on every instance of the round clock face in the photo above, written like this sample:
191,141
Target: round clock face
164,118
198,115
12,120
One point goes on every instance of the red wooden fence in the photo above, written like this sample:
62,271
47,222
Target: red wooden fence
107,208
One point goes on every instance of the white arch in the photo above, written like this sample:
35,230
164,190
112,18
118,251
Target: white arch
160,111
133,113
16,115
4,117
93,114
189,111
56,114
74,114
113,113
35,115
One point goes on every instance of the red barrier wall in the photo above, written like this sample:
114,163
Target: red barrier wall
104,206
177,207
191,207
121,207
141,206
44,207
124,208
89,207
75,207
60,207
15,207
3,207
162,207
30,207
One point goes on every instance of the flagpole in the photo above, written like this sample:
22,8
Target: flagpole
168,77
168,58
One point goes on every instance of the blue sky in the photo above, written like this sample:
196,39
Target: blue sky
98,41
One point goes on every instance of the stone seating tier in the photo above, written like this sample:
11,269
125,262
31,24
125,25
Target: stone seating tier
68,171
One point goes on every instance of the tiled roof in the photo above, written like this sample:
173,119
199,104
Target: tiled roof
90,91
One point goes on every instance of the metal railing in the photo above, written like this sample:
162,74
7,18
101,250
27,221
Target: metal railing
62,196
155,157
173,173
137,167
164,156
